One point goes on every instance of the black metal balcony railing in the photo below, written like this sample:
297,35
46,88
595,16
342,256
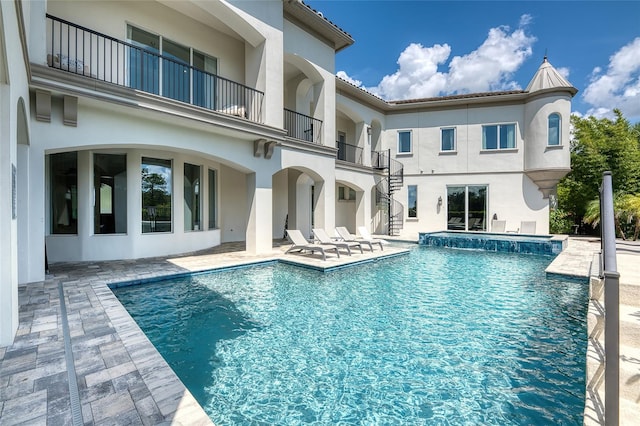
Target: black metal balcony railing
302,126
348,152
82,51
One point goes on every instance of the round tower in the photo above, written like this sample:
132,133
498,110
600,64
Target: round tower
546,117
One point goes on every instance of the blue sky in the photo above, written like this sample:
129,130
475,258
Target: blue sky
419,48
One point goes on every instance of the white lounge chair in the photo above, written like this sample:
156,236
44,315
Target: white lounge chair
527,227
301,244
324,238
344,233
498,225
366,236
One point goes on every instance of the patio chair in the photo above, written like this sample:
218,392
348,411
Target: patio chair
366,236
301,244
498,225
344,233
324,238
527,227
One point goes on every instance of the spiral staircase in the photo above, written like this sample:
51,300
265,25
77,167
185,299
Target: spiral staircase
391,182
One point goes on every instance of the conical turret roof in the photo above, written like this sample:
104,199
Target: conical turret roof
547,77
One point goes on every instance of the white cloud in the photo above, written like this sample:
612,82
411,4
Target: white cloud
564,71
619,87
343,75
488,68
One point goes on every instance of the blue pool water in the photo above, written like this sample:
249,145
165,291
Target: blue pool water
438,336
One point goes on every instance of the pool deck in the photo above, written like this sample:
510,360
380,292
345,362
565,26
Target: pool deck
121,379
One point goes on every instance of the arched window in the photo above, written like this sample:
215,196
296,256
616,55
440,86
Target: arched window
554,130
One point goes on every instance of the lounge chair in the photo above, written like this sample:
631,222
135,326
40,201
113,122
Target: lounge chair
498,225
324,238
364,233
344,233
527,227
300,243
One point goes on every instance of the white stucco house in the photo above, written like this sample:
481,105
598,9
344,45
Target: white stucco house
150,128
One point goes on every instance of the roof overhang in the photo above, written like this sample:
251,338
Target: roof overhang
304,16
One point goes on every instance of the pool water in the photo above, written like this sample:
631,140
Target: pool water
438,336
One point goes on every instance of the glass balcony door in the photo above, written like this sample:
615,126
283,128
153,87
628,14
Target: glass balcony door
176,73
144,60
204,83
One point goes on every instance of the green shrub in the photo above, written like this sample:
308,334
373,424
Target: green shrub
560,222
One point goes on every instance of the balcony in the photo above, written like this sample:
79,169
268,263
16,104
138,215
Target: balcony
302,127
349,153
85,52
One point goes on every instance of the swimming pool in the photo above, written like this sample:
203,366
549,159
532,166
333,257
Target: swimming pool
434,337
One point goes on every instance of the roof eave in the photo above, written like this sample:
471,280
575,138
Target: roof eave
302,14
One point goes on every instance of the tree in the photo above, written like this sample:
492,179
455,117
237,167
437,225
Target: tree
154,188
599,145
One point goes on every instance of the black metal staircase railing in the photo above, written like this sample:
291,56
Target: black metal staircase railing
349,153
393,181
303,127
82,51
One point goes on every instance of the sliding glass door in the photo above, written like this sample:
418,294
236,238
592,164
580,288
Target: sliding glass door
467,208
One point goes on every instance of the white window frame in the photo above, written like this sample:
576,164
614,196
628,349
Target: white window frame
455,140
559,129
409,202
410,132
498,126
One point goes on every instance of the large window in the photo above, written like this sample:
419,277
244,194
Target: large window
191,197
204,84
404,142
143,63
554,130
177,75
467,208
64,192
448,139
110,186
499,136
212,199
156,195
413,200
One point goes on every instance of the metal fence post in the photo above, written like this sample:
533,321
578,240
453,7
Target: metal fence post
611,304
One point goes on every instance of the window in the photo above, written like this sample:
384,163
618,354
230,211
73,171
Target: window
110,186
413,200
64,192
212,199
499,136
342,146
404,142
143,62
467,208
156,195
448,139
191,197
554,130
178,76
204,83
346,194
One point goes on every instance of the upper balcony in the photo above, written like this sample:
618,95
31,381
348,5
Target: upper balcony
170,74
302,127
